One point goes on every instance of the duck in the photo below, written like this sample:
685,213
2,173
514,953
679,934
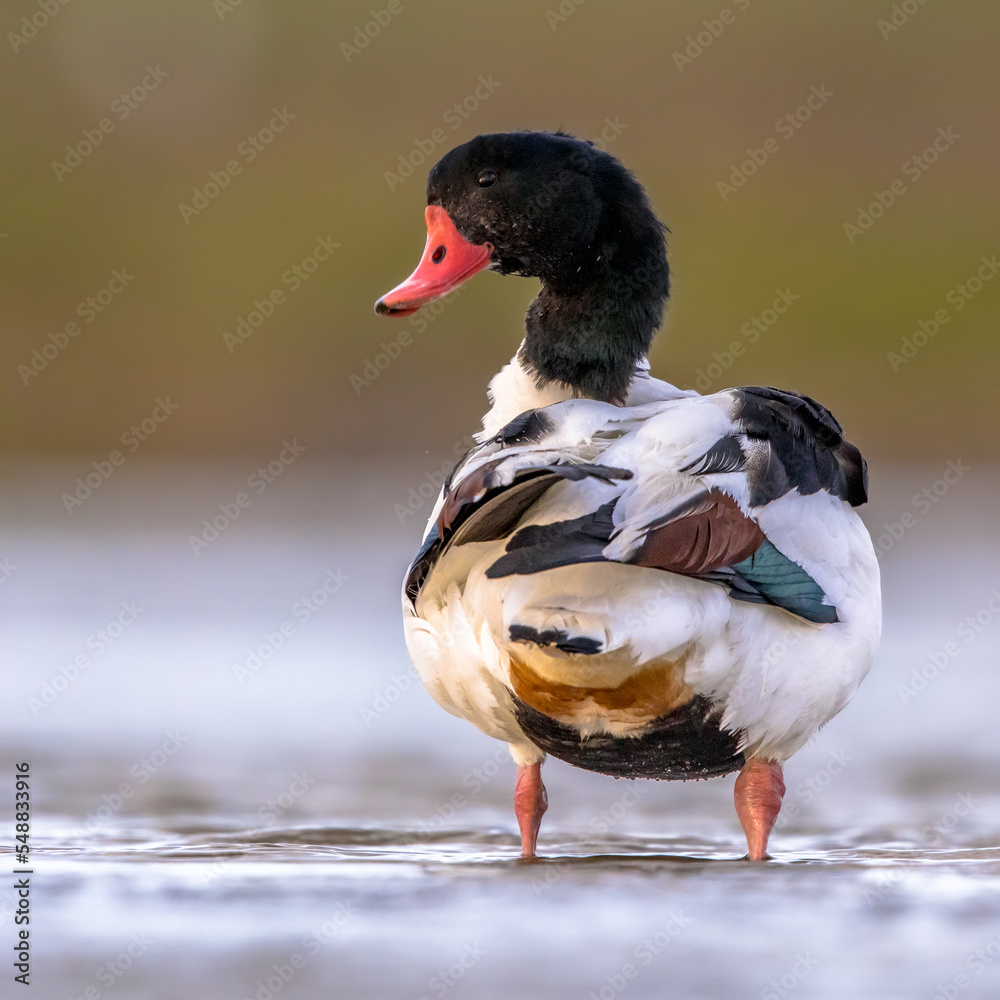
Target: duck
639,580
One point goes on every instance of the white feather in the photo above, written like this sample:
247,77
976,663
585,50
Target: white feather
775,677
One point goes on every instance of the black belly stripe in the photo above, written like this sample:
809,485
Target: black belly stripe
685,743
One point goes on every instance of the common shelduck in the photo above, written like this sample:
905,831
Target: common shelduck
637,579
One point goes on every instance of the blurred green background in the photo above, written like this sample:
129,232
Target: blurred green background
220,69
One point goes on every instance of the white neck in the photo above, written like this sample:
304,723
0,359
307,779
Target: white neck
513,390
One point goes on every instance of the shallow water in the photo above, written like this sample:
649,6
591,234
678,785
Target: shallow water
317,827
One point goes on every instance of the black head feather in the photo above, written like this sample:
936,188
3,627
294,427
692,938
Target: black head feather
559,209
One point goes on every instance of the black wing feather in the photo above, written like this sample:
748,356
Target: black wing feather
807,450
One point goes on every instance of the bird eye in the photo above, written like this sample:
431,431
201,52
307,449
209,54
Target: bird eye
487,177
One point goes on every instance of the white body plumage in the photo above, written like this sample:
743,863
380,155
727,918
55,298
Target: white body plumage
770,676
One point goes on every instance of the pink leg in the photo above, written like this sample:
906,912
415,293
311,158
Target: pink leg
758,793
530,803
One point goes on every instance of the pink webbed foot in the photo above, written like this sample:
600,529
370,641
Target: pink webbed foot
758,793
530,803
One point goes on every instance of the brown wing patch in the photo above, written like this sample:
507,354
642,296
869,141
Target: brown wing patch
657,688
711,534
